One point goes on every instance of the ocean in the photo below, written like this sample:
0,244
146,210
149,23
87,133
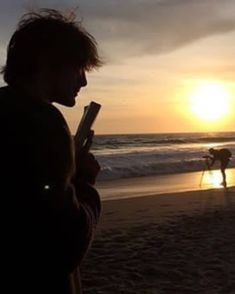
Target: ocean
140,155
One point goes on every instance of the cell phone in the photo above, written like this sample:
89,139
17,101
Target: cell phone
89,115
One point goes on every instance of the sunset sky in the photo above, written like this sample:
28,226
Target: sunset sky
160,57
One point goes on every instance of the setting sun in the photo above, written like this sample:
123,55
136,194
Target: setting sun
210,101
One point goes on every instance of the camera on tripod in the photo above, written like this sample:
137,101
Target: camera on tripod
206,157
207,161
207,167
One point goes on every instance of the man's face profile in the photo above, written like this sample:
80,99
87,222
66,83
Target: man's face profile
63,84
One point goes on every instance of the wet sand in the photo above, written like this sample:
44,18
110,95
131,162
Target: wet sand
164,184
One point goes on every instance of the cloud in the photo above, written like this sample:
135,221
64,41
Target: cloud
11,11
135,27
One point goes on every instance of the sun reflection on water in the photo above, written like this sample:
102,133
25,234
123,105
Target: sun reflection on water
213,178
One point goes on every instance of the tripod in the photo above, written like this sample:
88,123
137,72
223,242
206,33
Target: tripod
206,168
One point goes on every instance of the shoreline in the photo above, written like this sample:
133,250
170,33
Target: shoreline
163,184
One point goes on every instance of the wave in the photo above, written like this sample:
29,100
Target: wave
133,168
126,141
124,156
155,162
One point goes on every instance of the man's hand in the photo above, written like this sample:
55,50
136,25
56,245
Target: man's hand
87,167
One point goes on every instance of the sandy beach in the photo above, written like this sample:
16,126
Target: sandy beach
169,243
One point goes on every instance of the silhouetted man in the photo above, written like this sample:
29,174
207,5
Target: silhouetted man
49,206
222,155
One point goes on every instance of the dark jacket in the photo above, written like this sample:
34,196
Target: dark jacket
223,155
47,217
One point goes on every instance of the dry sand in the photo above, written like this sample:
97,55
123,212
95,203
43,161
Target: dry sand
174,243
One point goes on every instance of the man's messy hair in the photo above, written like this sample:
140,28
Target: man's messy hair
50,38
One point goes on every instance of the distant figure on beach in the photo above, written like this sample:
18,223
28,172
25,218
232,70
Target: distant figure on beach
222,155
49,206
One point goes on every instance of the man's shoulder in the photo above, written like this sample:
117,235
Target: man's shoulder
225,152
16,105
24,117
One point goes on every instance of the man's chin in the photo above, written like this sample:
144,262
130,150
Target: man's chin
70,103
67,102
